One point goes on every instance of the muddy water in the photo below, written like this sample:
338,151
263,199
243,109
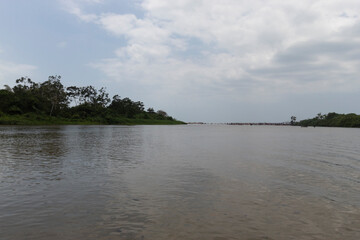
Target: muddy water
179,182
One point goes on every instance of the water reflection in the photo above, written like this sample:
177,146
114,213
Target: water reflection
179,182
31,154
86,162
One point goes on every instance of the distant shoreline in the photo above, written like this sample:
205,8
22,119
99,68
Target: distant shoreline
350,120
242,124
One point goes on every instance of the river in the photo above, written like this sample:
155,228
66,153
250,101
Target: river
179,182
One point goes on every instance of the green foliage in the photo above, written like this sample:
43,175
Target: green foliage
50,102
53,91
14,110
293,120
126,107
162,113
333,120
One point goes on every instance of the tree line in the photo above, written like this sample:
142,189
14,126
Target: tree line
332,119
53,99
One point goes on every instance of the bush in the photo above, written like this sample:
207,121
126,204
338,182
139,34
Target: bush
14,110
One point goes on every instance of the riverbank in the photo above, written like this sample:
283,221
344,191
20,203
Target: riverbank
333,119
32,119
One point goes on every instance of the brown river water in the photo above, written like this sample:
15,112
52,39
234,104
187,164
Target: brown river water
179,182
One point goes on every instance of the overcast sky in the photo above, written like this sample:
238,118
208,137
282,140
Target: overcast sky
199,60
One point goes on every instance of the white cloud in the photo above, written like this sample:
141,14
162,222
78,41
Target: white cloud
118,24
234,47
75,7
9,72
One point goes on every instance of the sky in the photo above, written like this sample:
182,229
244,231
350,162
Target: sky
209,61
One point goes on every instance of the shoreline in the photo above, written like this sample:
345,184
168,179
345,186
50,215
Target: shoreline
40,120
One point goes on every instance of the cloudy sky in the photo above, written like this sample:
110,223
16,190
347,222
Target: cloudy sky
199,60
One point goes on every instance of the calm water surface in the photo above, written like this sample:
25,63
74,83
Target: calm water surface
179,182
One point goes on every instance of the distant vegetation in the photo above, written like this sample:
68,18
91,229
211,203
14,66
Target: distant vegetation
50,102
332,120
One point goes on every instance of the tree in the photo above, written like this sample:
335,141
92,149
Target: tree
162,113
102,98
7,88
117,105
6,100
139,106
24,84
54,92
126,106
26,97
320,116
331,115
73,93
52,98
293,120
87,94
